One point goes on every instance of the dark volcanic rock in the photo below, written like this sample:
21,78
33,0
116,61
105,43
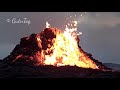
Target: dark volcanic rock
28,47
48,71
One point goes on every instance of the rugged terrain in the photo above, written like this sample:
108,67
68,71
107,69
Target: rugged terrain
17,70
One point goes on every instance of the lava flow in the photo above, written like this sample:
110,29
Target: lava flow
64,49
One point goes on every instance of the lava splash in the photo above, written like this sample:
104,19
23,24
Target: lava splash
63,50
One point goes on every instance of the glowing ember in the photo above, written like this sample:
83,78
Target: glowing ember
64,49
19,56
47,25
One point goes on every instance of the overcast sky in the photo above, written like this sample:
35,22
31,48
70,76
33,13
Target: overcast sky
101,31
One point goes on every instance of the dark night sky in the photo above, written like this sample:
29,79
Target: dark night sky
100,31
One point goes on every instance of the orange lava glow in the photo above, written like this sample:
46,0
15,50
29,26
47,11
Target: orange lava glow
65,50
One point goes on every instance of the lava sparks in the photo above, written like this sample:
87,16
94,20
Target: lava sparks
64,49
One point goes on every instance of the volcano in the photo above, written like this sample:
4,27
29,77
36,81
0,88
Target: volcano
52,53
40,49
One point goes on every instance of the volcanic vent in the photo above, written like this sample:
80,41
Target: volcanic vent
53,47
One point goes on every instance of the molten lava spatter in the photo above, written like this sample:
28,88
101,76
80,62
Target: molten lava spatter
63,49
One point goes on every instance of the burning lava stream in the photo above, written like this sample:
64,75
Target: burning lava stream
64,49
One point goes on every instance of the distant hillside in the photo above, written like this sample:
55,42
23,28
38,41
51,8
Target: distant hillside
112,65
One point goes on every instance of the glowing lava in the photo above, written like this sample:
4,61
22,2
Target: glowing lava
64,49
